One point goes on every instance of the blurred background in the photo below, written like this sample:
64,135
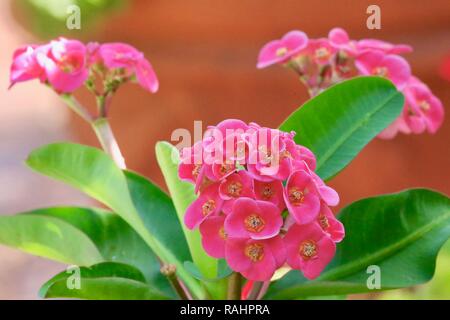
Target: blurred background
204,53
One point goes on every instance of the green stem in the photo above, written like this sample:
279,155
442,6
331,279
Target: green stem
234,286
256,289
169,270
75,106
107,140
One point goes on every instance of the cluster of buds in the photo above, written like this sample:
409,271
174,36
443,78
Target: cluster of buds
67,65
326,61
260,203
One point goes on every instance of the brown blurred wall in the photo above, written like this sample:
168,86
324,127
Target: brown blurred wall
204,53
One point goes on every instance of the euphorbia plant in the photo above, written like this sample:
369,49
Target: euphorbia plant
249,206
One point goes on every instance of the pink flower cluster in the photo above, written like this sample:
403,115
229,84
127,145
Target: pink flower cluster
260,203
66,64
326,61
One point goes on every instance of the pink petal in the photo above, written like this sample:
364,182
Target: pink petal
329,195
196,214
213,236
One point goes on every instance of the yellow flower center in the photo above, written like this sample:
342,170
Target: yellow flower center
296,197
234,189
308,249
322,53
254,251
281,51
254,223
222,233
196,170
424,105
380,71
267,192
323,221
208,207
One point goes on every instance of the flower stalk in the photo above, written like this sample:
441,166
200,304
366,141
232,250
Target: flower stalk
169,270
108,141
256,289
234,286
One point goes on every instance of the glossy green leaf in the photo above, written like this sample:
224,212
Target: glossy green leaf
48,237
340,121
105,281
93,172
400,233
114,239
222,272
183,195
157,212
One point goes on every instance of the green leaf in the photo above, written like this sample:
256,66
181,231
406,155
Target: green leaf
94,172
115,240
158,213
400,233
340,121
48,237
183,195
223,271
105,281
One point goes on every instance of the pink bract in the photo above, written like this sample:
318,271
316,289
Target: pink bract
214,236
65,64
308,249
122,55
280,51
253,219
329,224
257,260
393,67
24,66
235,186
241,206
208,204
301,197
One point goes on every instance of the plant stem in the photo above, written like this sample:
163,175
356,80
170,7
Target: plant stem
107,140
256,290
169,270
234,286
75,106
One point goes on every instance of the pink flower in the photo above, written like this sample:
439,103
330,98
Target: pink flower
268,158
256,260
386,47
300,155
234,187
214,236
320,51
423,111
207,204
308,249
24,66
65,64
393,67
271,191
191,166
329,224
301,197
241,198
121,55
340,40
253,219
280,51
326,193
